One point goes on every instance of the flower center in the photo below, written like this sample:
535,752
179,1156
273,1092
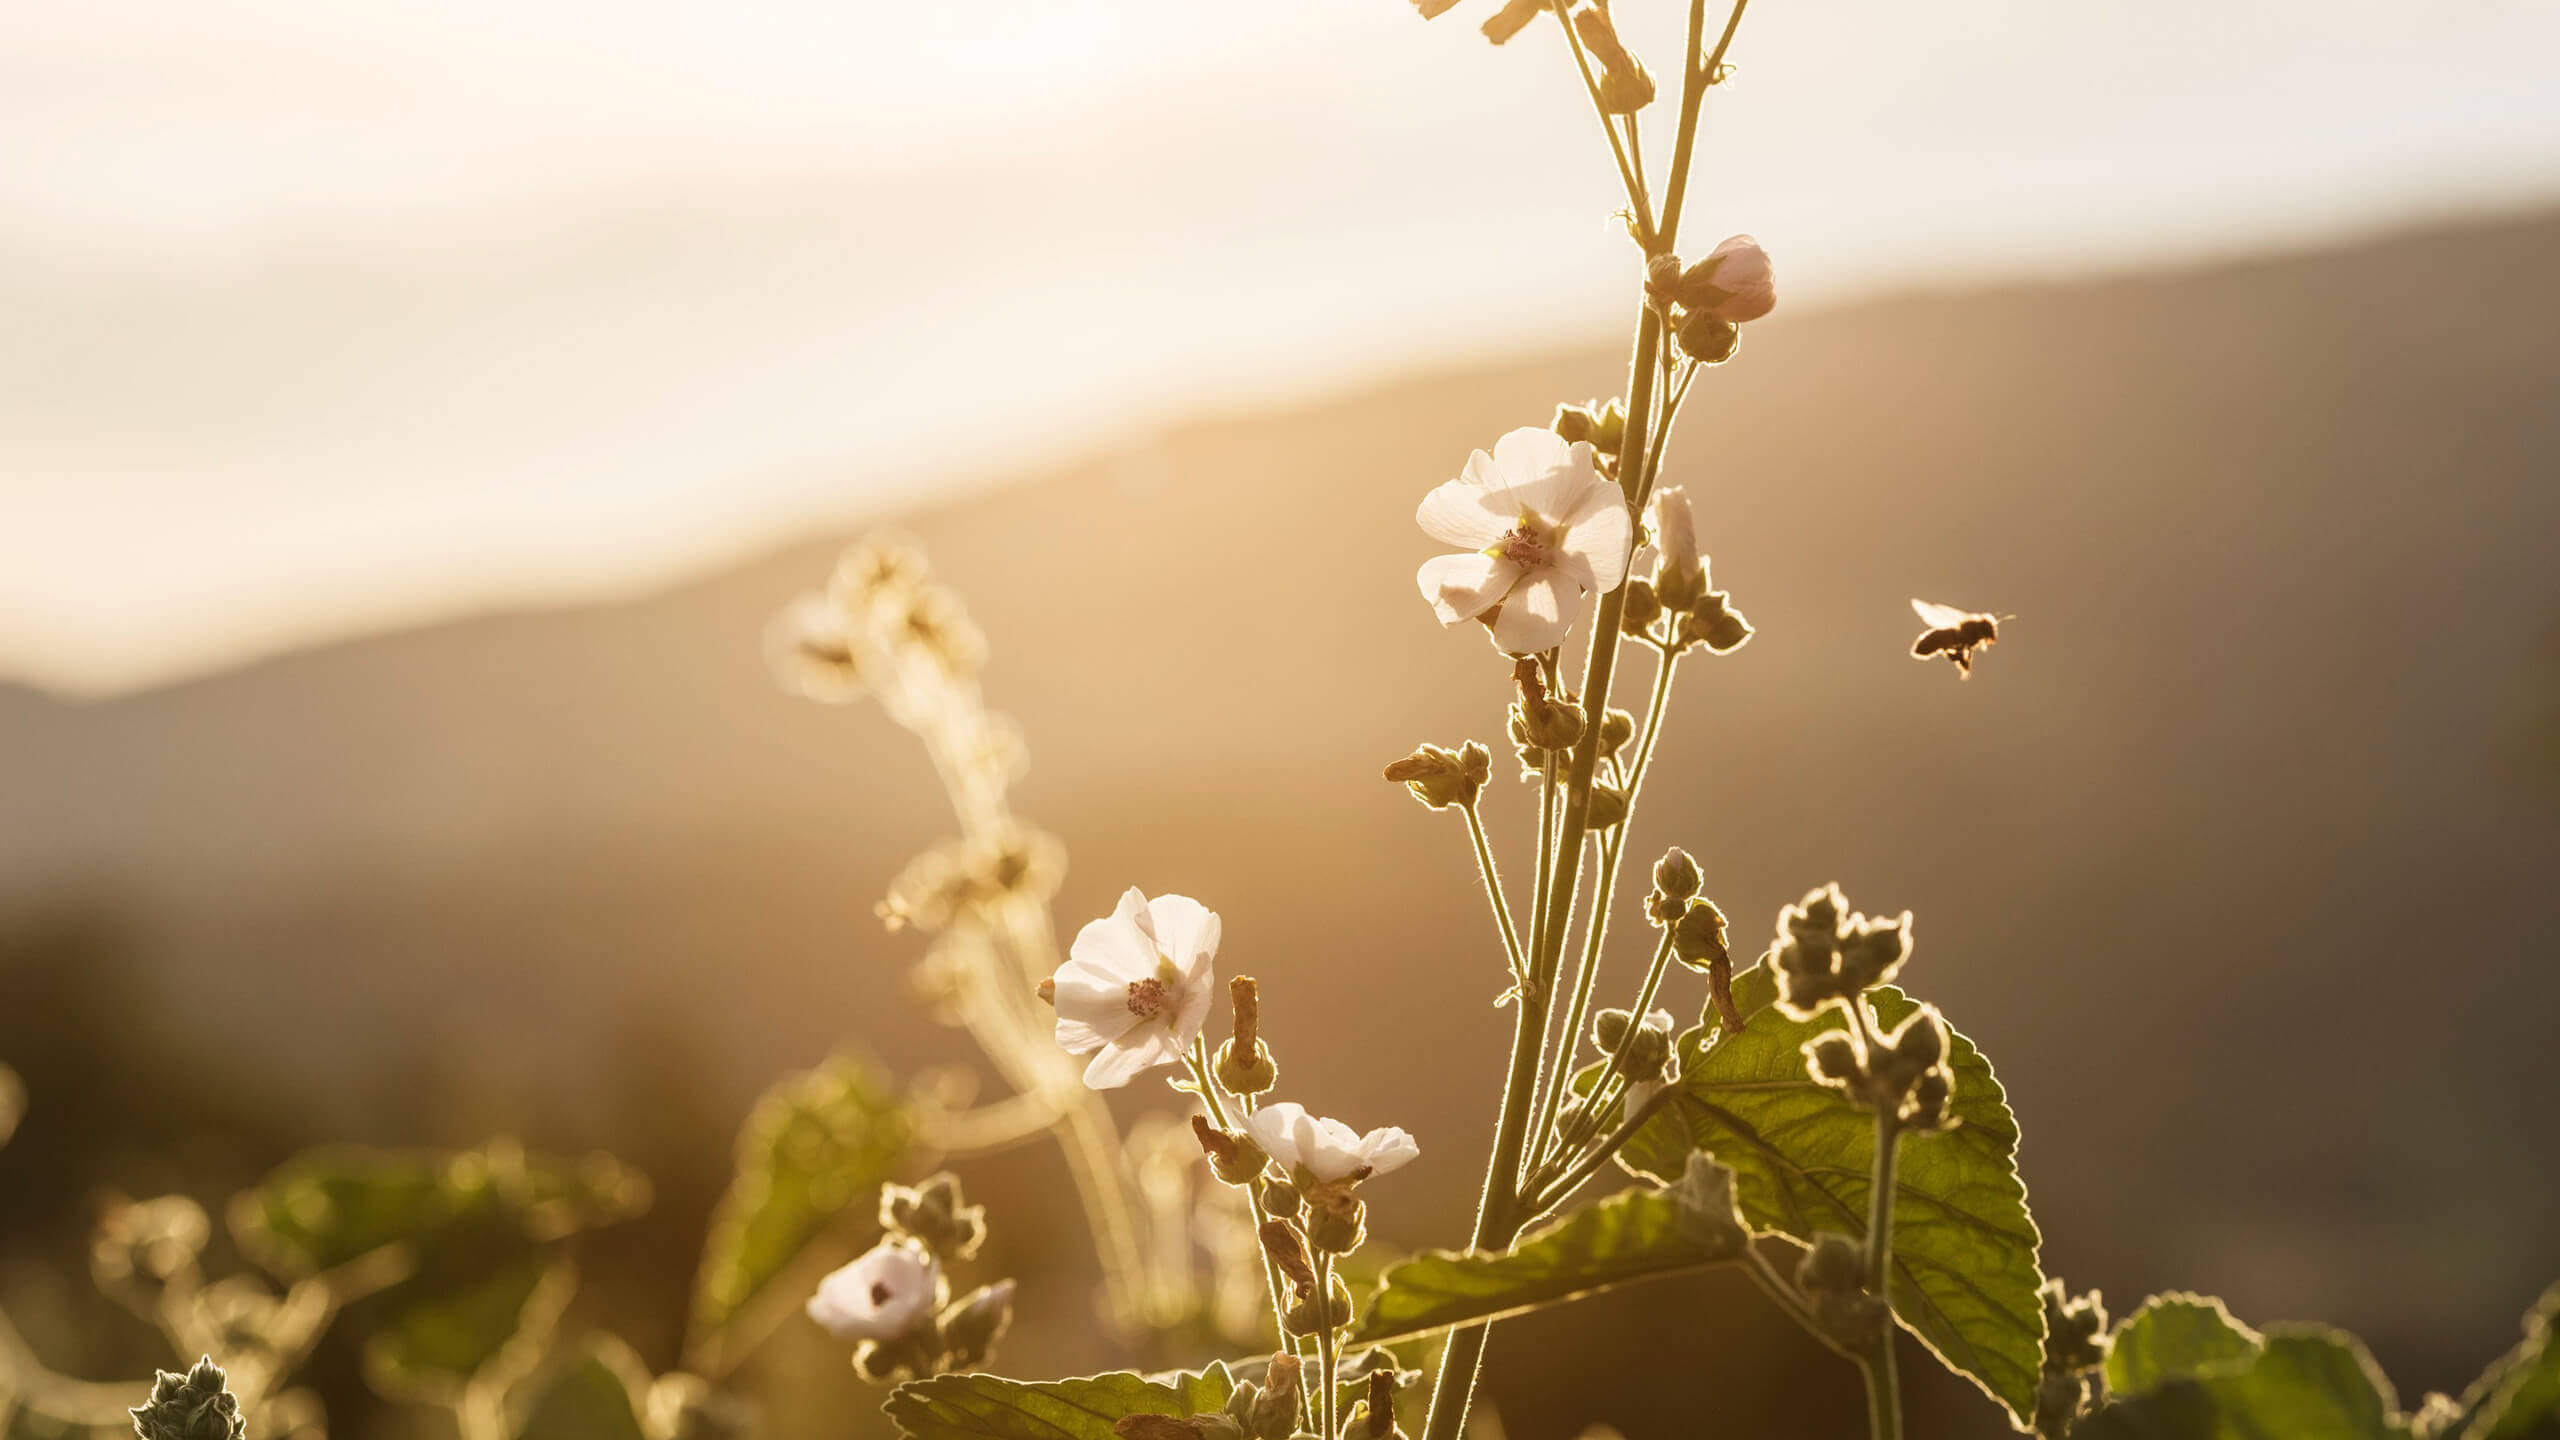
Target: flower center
1527,544
1148,998
880,1292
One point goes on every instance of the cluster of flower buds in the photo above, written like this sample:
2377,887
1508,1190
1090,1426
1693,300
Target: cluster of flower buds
1624,84
1826,955
880,609
1442,778
1709,300
195,1406
2075,1343
895,1301
1697,927
960,878
1699,613
1833,1277
1642,1050
1258,1410
1602,426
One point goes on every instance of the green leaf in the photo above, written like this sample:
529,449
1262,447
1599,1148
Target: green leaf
818,1143
1965,1278
324,1208
437,1342
989,1407
2306,1383
2519,1397
1631,1236
2175,1337
596,1395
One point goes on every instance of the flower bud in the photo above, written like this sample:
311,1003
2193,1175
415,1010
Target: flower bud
1337,1221
1716,625
2074,1329
1707,339
1680,574
1639,609
1703,1206
1675,875
1288,1251
1608,807
1546,722
1871,950
195,1406
1234,1158
1374,1415
1832,1058
973,1323
1610,435
1734,283
936,1215
1575,423
1662,279
1836,1264
1305,1318
2061,1399
1442,778
1625,87
1273,1414
1617,727
1698,937
1244,1063
1930,1096
1281,1198
1922,1041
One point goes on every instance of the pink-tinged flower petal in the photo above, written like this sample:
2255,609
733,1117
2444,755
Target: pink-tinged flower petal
1541,470
1600,542
1746,281
1461,587
1675,526
1387,1149
1463,513
1123,1060
1118,946
1186,932
1077,1037
1094,997
880,1296
1269,1127
1537,613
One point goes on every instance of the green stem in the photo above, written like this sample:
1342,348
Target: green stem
1327,1346
1588,1120
1586,978
1630,174
1884,1390
1493,892
1694,80
1197,1058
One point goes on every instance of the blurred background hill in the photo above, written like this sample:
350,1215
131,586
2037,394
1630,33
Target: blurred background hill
2235,855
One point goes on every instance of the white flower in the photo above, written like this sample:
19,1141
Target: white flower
882,1296
1679,576
1545,531
1137,985
1326,1149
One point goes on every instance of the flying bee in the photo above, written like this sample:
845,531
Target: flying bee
1954,633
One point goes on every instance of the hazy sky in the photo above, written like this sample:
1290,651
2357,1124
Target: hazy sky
317,315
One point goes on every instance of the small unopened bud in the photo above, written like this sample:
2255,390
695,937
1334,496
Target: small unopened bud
1244,1064
1832,1058
1617,727
1610,436
1047,990
1837,1263
1922,1041
1625,87
1716,625
935,1214
1734,283
1872,949
1574,423
1274,1412
195,1406
1281,1198
1930,1096
1337,1221
1442,778
2074,1329
1234,1158
973,1323
1698,939
1608,807
1545,721
1706,338
1662,279
1676,875
1704,1207
1376,1418
1639,609
1306,1318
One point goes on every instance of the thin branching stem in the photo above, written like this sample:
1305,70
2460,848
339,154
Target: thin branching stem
1696,76
1197,1058
1630,172
1493,894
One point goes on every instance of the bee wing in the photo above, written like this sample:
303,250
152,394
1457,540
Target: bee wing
1939,617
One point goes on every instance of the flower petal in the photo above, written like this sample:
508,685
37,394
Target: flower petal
1121,1061
1271,1128
1387,1149
1118,945
1537,613
1461,587
1079,1034
1463,513
1600,536
1541,470
1186,932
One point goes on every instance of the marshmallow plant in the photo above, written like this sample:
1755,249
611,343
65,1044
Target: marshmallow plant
1812,1127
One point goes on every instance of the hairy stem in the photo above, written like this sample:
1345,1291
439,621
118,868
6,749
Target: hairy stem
1327,1349
1493,892
1884,1390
